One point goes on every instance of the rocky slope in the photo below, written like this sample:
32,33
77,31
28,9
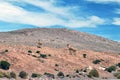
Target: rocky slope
58,38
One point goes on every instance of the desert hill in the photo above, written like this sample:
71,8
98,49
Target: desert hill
44,50
58,38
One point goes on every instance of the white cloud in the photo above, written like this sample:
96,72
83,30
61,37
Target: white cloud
105,1
54,15
90,21
117,11
116,21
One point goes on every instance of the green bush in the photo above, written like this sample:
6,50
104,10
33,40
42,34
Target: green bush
34,75
84,55
13,75
4,65
111,68
60,74
93,73
23,74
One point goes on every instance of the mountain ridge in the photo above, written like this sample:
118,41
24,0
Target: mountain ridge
60,37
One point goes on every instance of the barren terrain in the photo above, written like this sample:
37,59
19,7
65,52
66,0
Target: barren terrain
54,45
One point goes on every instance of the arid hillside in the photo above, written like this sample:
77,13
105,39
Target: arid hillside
61,54
27,58
58,38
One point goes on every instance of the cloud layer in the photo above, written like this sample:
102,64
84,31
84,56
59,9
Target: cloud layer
51,16
105,1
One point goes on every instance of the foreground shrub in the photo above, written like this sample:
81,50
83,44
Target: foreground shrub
34,75
4,65
23,74
60,74
111,68
93,73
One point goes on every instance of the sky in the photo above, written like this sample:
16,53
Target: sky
99,17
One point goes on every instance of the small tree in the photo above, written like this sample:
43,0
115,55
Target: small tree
4,65
23,74
93,73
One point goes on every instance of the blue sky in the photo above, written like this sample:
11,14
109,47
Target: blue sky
100,17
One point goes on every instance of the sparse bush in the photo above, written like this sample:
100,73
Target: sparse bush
7,75
29,51
23,74
56,65
43,55
84,55
35,56
118,64
49,55
37,51
4,65
49,75
117,75
2,74
13,75
96,61
93,73
60,74
67,75
6,50
89,76
111,68
77,71
34,75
